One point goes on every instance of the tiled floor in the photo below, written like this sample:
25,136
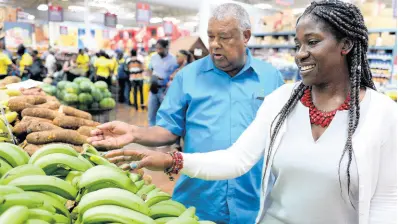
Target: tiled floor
130,115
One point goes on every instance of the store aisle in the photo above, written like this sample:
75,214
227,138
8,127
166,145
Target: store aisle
130,115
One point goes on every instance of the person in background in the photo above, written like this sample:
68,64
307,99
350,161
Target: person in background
50,62
4,50
58,75
69,68
210,103
123,79
37,70
103,68
183,58
161,66
25,60
136,70
83,61
5,63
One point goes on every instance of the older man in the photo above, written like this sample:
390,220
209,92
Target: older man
210,103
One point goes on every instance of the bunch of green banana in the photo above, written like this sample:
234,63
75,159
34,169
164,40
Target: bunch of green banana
167,208
113,213
21,171
51,149
101,176
15,215
45,183
13,155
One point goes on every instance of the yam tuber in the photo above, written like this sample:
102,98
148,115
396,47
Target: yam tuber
37,126
52,105
30,118
70,111
85,130
20,103
73,122
64,136
32,148
22,127
40,112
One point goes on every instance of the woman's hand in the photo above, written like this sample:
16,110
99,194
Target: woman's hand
136,159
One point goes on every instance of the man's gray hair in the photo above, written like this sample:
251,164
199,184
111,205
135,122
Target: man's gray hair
232,10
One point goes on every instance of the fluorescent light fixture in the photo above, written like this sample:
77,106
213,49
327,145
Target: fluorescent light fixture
42,7
156,20
263,6
31,17
119,26
77,8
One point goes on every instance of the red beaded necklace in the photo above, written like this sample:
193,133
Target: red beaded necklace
319,117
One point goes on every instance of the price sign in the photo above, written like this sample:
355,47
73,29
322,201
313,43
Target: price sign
110,20
55,13
143,14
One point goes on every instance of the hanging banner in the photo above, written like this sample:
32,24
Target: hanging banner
168,27
110,20
55,13
143,14
18,33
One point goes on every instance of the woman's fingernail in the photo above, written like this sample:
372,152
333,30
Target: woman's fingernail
133,165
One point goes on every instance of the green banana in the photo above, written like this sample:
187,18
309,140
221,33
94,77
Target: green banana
15,215
164,220
36,221
173,203
97,159
41,214
135,177
183,220
84,160
190,212
5,190
165,210
139,184
156,198
206,222
21,171
71,175
61,219
20,199
52,162
112,196
46,183
76,181
60,208
145,190
87,148
2,199
56,196
61,172
4,167
48,207
113,213
153,192
53,148
13,154
106,174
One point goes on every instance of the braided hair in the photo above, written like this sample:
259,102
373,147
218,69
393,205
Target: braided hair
343,20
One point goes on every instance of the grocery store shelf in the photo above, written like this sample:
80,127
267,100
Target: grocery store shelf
381,47
272,46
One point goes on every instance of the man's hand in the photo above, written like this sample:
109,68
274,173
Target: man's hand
113,135
137,159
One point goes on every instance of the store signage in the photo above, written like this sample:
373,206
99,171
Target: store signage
63,30
168,27
143,14
22,16
285,2
55,13
110,20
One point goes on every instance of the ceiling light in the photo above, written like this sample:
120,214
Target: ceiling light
76,8
263,6
119,26
31,17
156,20
42,7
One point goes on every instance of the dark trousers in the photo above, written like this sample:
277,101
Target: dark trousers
123,84
138,85
70,76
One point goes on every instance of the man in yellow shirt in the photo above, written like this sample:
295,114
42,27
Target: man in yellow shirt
5,61
25,61
104,67
83,61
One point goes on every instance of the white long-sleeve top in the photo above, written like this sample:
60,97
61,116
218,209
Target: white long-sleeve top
374,144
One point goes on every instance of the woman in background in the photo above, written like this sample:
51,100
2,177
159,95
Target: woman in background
70,68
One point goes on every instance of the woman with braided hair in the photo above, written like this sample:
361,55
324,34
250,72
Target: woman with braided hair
329,142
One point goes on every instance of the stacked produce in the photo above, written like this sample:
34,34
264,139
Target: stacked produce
82,94
59,185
